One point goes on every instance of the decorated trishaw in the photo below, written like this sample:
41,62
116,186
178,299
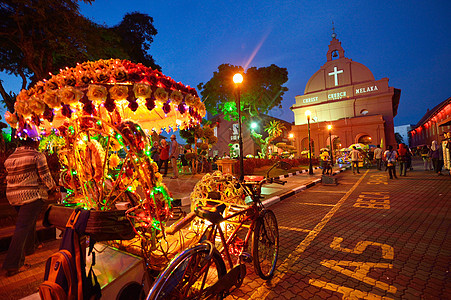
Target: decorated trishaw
105,116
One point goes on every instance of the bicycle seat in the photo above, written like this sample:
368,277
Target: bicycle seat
212,214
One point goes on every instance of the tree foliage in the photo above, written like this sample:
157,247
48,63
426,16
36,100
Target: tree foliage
274,129
261,90
41,37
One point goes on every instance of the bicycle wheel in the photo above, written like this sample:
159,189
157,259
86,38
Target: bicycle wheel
190,274
265,244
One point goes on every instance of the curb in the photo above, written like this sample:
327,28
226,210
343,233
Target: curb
275,199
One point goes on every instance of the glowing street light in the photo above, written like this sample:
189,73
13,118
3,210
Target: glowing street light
254,125
329,127
291,135
238,79
310,167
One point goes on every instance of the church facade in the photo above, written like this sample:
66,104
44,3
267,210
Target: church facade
344,93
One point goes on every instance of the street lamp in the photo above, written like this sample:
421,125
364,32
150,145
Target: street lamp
331,146
238,79
310,167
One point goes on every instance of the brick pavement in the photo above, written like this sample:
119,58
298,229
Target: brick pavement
367,238
326,248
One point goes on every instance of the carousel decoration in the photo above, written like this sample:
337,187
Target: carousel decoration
104,112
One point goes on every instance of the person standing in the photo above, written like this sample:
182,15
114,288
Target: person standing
435,155
426,156
355,156
324,156
390,156
174,155
28,183
378,157
164,157
402,158
155,152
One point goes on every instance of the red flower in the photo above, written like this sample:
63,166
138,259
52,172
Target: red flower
166,108
150,103
48,114
133,105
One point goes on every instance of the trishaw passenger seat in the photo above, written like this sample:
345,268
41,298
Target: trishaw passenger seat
253,179
212,214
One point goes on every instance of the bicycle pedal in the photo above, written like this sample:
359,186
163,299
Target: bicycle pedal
246,257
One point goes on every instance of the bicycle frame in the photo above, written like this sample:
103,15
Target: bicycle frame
250,213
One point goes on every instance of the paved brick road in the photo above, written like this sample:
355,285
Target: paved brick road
367,238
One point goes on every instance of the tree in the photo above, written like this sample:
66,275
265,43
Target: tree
41,37
136,31
274,129
261,90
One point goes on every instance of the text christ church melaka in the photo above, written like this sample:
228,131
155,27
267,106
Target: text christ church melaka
343,93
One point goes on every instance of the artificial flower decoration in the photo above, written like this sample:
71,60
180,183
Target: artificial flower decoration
161,94
99,88
114,161
118,92
70,95
11,119
97,92
176,97
36,105
142,90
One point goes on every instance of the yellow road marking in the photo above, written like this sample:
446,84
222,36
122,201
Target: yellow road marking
294,229
315,204
348,293
361,271
387,251
290,261
378,200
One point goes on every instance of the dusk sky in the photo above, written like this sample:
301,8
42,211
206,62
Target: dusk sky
405,41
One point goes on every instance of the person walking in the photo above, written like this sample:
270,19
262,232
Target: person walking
355,156
403,160
164,157
28,183
174,155
390,156
378,157
426,156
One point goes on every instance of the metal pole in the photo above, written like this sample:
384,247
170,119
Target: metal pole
310,167
240,140
331,149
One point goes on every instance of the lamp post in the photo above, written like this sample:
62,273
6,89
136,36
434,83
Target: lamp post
329,127
310,167
238,79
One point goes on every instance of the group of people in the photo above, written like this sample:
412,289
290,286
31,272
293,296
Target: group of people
432,157
402,155
162,152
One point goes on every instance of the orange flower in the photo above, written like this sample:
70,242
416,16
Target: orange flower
97,92
114,161
69,95
11,119
50,98
119,92
142,90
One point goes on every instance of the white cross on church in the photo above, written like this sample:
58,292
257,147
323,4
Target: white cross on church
335,74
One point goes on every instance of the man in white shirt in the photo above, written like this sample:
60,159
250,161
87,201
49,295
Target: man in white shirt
355,155
378,157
